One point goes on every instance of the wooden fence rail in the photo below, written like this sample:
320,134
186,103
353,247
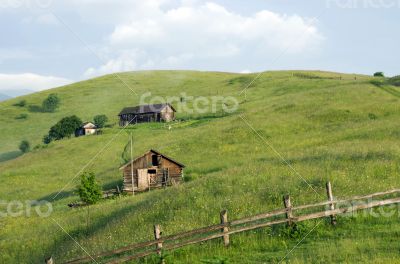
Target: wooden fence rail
289,215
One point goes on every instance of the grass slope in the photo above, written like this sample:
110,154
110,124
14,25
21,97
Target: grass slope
343,130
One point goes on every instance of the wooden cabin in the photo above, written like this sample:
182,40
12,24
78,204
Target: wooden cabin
146,113
87,128
151,170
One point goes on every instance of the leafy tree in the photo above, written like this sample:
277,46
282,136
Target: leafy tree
89,190
24,146
100,120
51,103
64,128
379,74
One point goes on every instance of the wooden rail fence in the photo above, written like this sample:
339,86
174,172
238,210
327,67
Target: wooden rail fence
289,214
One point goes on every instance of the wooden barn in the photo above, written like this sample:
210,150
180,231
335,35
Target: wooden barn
146,113
87,128
151,170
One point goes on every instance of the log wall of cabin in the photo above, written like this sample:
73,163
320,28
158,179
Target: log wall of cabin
145,162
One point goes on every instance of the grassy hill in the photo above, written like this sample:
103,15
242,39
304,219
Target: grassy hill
327,126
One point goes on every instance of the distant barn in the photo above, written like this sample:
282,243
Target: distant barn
87,128
146,113
151,170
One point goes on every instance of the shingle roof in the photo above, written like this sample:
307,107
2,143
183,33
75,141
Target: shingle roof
143,109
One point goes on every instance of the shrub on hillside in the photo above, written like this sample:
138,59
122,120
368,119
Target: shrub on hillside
51,103
24,146
379,74
46,139
100,120
372,116
64,128
21,103
89,190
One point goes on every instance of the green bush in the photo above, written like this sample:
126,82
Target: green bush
100,120
51,103
379,74
47,139
21,103
24,146
64,128
372,116
89,190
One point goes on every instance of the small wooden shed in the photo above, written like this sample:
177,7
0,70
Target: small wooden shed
87,128
146,113
151,170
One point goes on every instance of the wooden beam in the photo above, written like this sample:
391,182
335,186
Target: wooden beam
133,182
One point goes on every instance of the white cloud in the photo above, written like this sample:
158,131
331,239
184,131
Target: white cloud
190,34
30,81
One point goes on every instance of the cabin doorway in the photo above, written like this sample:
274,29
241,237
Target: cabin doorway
143,179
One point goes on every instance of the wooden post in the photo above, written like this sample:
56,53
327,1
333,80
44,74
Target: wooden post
49,260
224,220
157,236
288,207
330,198
133,182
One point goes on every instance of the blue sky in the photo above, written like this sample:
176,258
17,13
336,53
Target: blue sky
47,43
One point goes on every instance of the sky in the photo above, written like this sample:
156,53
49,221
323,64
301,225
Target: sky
49,43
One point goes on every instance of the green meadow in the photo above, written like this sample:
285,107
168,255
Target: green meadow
327,126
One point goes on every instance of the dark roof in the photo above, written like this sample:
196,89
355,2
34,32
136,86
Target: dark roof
144,109
156,152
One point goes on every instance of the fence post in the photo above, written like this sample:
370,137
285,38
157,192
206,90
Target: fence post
49,260
330,198
157,236
225,229
288,207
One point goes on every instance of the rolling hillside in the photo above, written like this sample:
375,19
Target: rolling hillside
327,126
